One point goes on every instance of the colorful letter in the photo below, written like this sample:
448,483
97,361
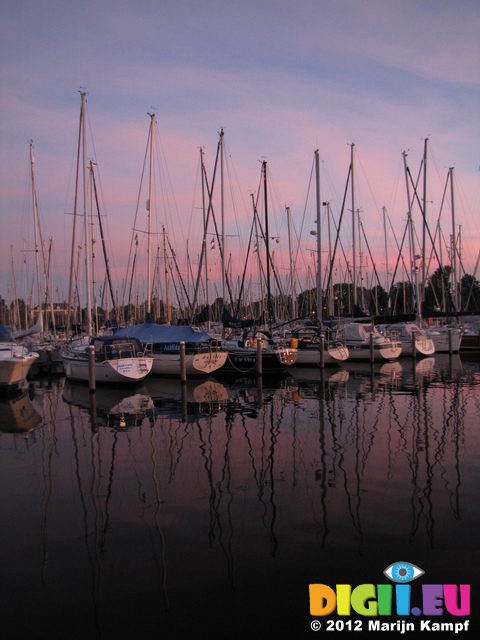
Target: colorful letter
451,600
432,599
363,600
322,599
384,596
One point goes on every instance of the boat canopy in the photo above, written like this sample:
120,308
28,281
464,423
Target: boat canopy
5,335
155,334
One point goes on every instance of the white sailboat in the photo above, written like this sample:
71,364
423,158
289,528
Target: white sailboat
358,337
15,362
116,360
203,353
413,339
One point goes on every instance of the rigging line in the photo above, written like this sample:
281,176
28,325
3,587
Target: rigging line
423,215
332,261
207,217
179,274
304,214
370,253
133,238
107,268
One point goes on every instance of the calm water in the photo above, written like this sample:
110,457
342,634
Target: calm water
150,514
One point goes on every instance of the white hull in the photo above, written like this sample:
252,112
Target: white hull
202,363
312,356
119,370
15,363
403,332
423,347
441,340
359,342
361,352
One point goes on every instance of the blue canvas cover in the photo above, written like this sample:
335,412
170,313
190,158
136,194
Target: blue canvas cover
168,336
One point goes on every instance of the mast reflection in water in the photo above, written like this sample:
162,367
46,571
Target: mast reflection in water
207,510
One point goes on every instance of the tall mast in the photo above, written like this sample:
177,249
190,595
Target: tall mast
353,229
292,282
424,217
331,306
360,257
149,208
386,252
202,171
413,266
319,239
71,286
34,201
454,246
271,315
222,197
85,212
166,277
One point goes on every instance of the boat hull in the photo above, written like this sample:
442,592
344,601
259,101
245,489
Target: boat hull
308,356
362,352
244,359
196,364
445,342
117,371
15,363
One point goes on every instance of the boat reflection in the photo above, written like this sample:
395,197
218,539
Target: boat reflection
18,415
111,407
195,397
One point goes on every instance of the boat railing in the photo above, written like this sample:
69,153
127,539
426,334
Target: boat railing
113,351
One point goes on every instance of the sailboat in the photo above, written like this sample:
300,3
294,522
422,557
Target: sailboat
203,353
245,347
46,344
116,360
309,339
364,340
15,362
413,338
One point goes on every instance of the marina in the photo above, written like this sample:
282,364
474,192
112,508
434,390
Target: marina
206,509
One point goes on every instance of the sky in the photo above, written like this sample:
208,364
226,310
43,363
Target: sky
282,80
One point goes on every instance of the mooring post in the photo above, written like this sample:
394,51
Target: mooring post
414,344
450,341
259,357
372,348
91,368
322,351
183,366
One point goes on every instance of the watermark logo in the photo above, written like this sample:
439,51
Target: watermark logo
377,600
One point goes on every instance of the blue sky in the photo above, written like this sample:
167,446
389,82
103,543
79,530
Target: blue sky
281,78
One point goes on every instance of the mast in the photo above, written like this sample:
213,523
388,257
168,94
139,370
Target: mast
222,201
271,314
353,231
72,259
166,277
424,217
361,258
86,226
386,252
331,310
319,239
292,282
149,209
34,202
413,266
454,246
202,171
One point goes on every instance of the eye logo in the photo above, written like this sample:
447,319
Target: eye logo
403,572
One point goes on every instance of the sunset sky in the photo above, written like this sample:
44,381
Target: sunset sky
281,78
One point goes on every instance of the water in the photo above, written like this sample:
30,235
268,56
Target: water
145,513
